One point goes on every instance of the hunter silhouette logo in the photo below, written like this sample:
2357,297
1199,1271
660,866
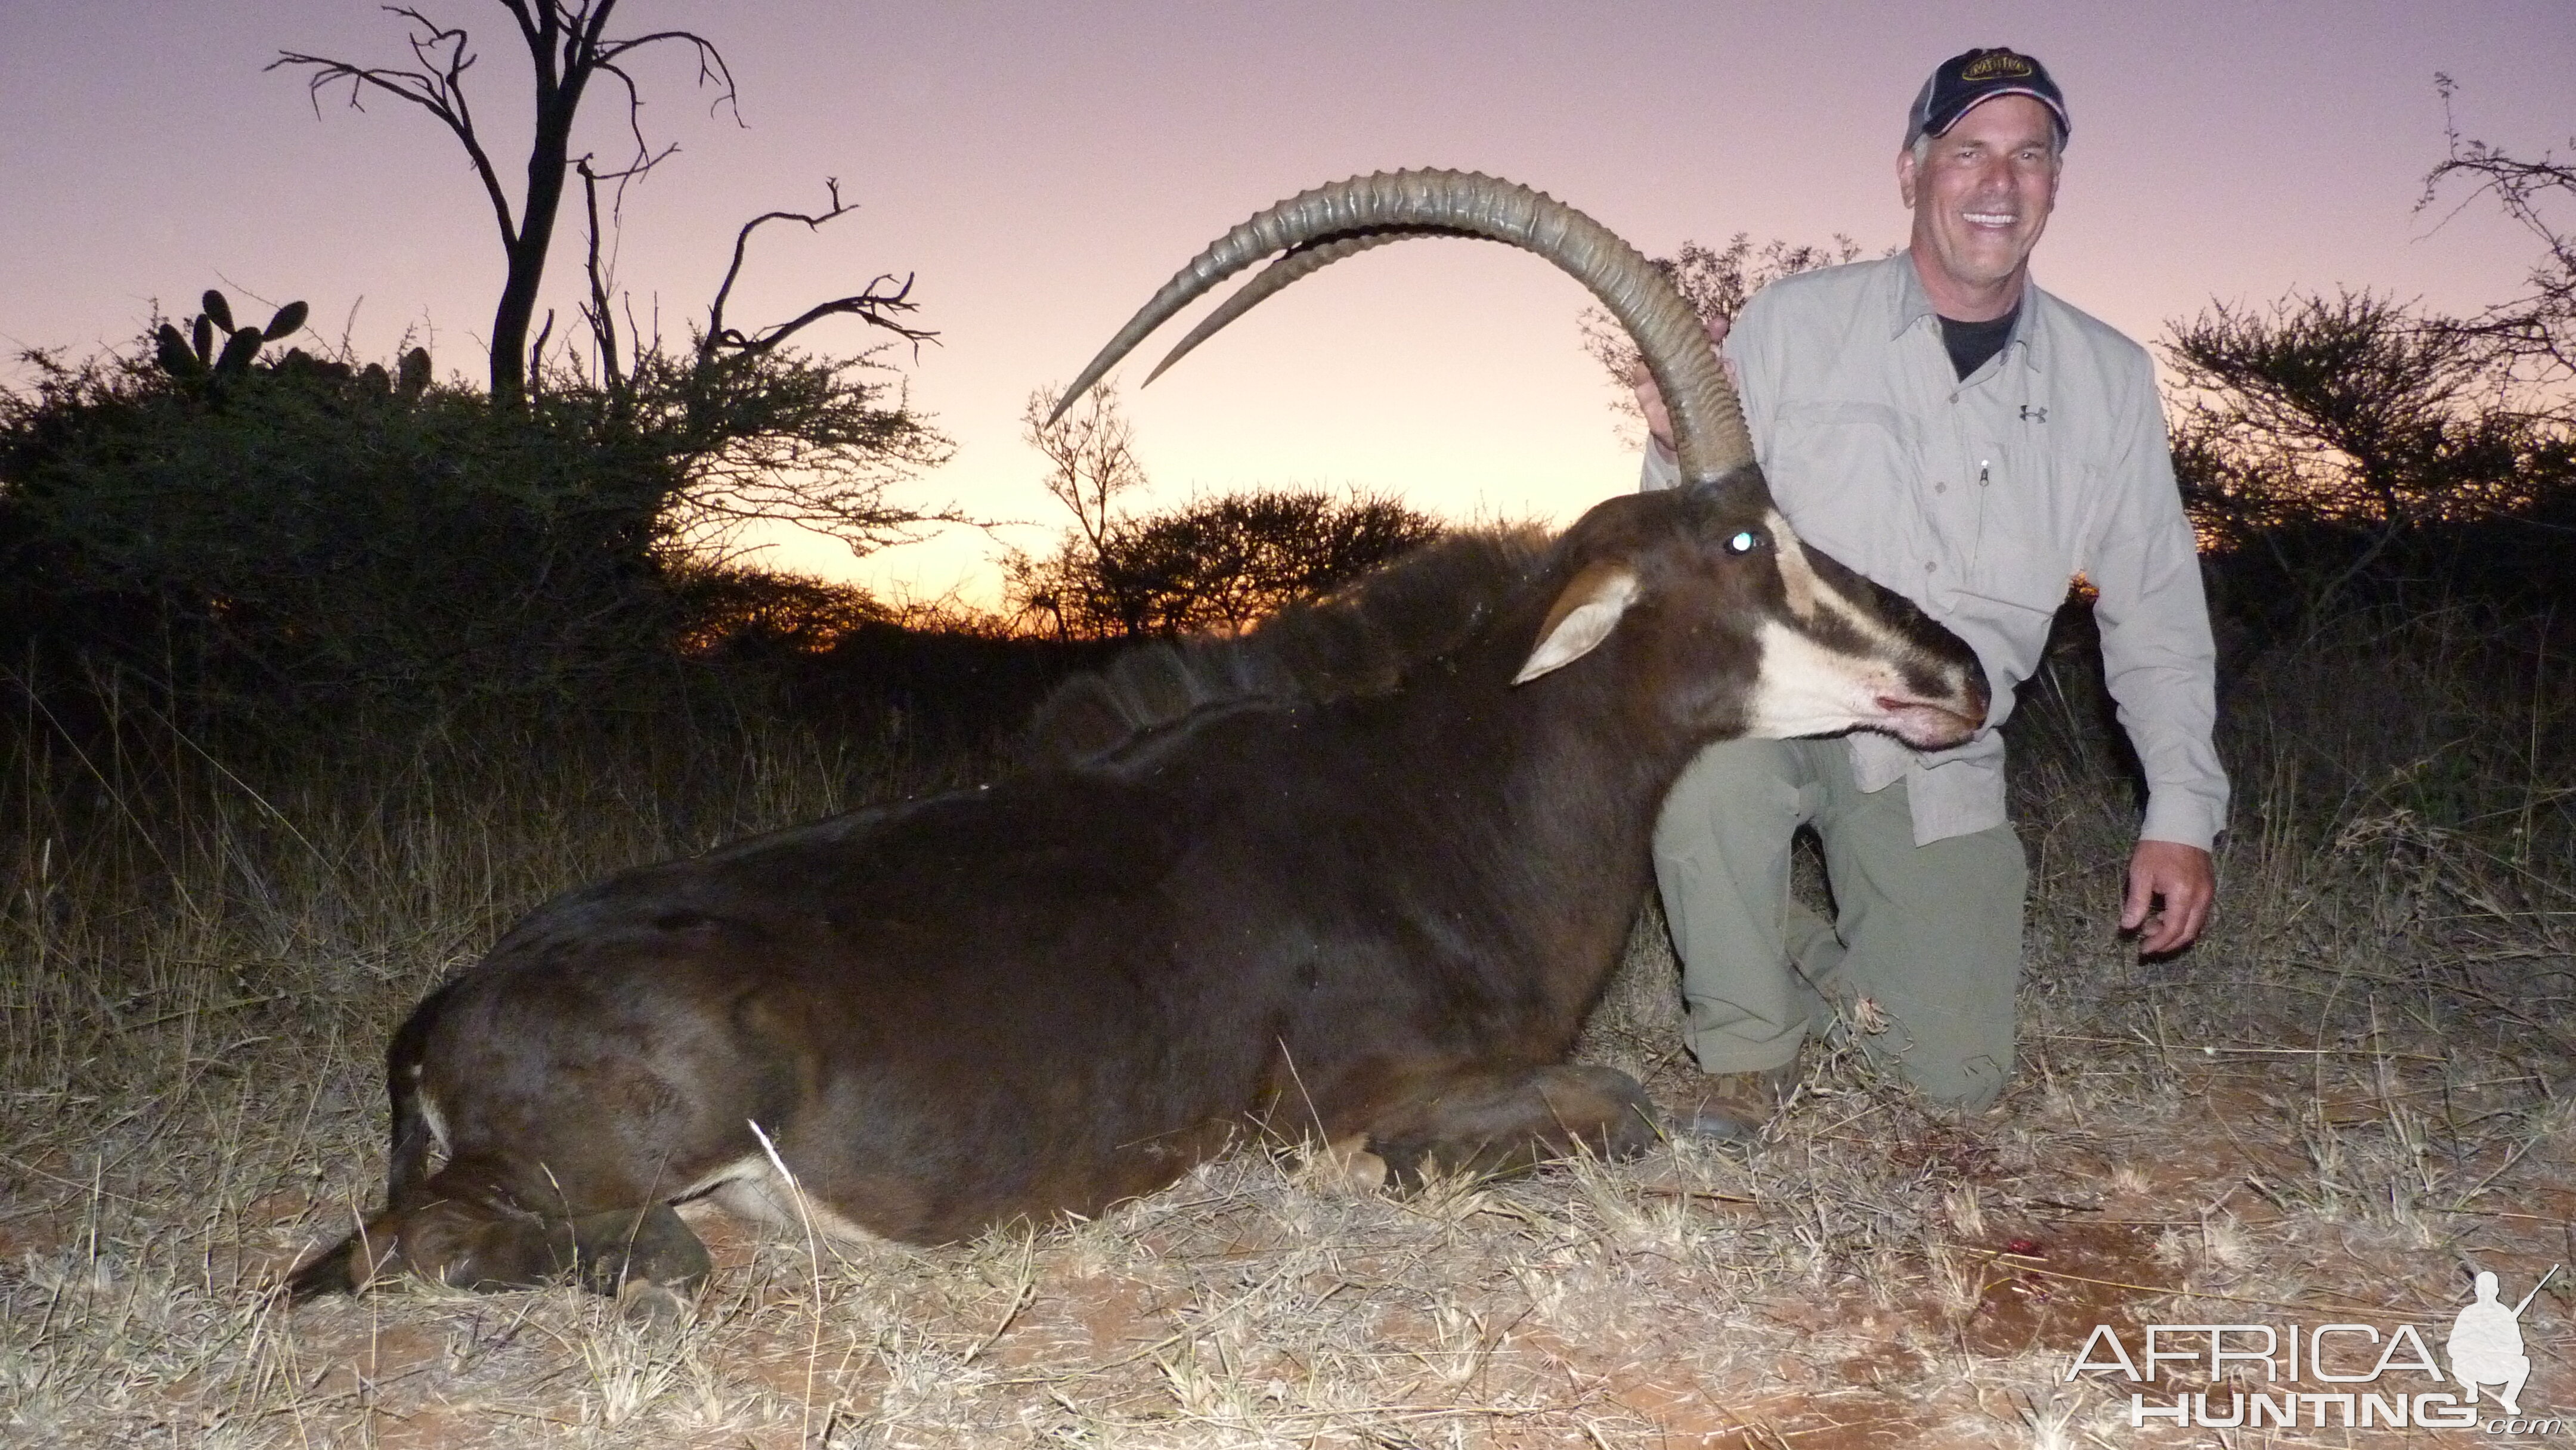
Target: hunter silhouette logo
2486,1344
2335,1375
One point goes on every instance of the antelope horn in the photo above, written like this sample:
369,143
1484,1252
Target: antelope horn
1294,263
1319,227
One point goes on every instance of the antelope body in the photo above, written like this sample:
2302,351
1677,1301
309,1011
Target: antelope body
1354,877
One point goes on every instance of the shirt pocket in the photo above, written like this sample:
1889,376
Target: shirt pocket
2025,562
1843,473
2025,547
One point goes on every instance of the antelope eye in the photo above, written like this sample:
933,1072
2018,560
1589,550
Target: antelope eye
1743,541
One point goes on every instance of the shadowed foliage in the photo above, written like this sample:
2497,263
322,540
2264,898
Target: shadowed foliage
1215,564
2353,450
2335,448
291,533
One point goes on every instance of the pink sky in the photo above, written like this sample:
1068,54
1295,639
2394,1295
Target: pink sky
1043,168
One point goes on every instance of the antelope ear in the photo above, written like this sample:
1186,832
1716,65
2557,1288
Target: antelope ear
1581,618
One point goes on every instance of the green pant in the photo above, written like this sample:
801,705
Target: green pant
1930,935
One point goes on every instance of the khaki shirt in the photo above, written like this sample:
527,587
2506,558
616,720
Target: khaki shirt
1978,500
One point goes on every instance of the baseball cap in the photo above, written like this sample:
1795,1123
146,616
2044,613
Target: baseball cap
1978,75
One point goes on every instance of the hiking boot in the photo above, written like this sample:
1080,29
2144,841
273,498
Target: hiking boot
1732,1106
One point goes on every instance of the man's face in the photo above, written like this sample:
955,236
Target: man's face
1981,197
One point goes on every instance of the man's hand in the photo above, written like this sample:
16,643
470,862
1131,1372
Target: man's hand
1650,399
2177,880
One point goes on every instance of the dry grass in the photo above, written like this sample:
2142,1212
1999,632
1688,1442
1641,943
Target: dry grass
2360,1088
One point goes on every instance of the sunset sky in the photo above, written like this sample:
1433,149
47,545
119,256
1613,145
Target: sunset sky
1042,168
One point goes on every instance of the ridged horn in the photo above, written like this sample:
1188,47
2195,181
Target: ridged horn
1292,265
1319,227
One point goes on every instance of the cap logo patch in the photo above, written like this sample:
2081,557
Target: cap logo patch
1998,65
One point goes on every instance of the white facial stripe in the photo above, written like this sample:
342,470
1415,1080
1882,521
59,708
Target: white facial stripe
1797,577
1807,589
1807,689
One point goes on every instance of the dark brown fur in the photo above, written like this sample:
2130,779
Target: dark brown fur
1338,879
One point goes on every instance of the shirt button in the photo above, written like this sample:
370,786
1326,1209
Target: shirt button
1929,566
1940,488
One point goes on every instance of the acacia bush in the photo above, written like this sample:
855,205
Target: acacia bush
307,534
1216,563
1219,563
2355,452
311,535
2347,451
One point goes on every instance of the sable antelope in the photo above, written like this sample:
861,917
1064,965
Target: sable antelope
1355,876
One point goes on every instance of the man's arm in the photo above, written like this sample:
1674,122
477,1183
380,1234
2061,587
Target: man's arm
2160,664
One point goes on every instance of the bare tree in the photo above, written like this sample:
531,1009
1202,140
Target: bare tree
1090,454
2536,332
1091,464
568,48
880,304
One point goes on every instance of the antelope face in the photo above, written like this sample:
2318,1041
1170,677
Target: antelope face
1745,631
1844,653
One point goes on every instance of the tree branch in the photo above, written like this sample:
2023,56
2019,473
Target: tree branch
870,307
711,62
439,90
603,323
873,306
2541,325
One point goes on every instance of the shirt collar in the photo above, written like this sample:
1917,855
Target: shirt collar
1909,304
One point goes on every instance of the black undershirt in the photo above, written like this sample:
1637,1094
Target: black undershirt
1971,343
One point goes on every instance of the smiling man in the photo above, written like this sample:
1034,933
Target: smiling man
1942,425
